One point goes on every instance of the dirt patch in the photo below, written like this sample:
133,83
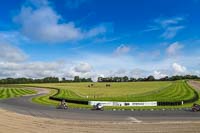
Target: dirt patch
17,123
195,84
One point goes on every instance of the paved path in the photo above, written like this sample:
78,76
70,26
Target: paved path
24,105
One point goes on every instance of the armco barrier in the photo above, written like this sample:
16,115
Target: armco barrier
130,104
169,103
69,100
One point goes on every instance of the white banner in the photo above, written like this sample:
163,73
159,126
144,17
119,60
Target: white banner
110,103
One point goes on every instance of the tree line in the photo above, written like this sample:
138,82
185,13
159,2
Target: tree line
100,79
43,80
149,78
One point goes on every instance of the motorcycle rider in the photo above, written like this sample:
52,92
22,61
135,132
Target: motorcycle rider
63,103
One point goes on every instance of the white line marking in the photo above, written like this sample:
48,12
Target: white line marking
134,120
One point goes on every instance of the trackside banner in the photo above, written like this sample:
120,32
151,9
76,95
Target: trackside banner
110,103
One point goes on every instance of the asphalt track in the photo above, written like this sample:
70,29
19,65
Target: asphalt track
23,105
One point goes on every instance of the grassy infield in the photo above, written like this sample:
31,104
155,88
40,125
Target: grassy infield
10,92
136,91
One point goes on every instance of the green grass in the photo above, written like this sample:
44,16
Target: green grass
187,105
11,92
99,91
135,91
45,98
178,91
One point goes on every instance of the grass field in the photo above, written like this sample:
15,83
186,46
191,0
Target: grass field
9,92
45,98
134,91
99,91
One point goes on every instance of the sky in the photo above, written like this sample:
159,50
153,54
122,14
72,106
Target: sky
92,38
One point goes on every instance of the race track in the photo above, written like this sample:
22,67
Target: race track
23,105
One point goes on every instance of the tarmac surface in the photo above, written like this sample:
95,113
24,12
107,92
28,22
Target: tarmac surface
23,105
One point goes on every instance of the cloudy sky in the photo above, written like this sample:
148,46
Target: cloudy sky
91,38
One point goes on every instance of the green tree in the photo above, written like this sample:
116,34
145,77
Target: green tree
76,79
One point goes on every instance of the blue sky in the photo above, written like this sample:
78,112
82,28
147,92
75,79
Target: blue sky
92,38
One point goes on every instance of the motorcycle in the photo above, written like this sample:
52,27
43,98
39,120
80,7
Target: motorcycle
62,105
195,107
98,106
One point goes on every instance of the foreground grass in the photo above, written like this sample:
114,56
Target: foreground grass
11,92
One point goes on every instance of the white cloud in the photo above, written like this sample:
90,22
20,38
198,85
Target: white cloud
169,26
94,65
42,23
116,73
197,72
44,69
174,48
31,69
122,49
171,32
138,73
96,30
107,61
158,74
83,67
11,54
178,69
13,37
70,69
169,21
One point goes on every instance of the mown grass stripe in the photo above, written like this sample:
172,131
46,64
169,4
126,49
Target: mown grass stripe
14,92
18,92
